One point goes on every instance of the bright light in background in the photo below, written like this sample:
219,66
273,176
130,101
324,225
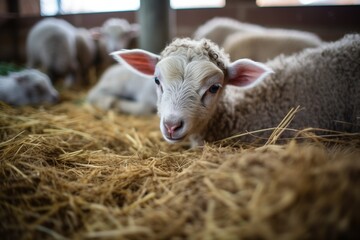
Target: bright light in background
268,3
50,7
197,3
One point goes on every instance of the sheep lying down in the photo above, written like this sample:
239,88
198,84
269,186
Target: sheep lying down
27,87
204,97
262,46
125,91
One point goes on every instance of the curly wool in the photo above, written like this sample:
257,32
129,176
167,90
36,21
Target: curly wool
323,81
203,49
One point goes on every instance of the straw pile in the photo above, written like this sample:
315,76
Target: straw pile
72,172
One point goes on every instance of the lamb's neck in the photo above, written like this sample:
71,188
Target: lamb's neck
238,112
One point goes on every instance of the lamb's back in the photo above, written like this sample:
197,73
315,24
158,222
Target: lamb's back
324,82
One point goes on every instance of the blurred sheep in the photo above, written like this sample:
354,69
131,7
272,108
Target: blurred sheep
218,28
125,91
114,34
263,46
260,43
27,87
61,50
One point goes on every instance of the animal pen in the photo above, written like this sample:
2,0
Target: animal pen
73,171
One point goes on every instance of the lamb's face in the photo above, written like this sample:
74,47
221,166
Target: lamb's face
187,95
116,34
34,88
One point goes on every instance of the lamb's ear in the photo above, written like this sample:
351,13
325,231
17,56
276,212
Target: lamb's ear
246,73
142,61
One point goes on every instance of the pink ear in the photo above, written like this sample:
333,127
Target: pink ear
142,61
245,72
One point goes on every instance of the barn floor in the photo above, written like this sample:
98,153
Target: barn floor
72,172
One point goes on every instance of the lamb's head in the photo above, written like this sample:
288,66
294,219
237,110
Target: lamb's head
117,33
33,87
190,77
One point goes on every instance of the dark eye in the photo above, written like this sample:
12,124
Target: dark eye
157,81
214,88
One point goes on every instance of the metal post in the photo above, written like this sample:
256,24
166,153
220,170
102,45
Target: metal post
153,18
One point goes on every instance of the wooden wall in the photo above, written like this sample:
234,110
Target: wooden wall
330,22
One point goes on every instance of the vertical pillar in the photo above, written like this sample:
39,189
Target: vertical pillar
153,18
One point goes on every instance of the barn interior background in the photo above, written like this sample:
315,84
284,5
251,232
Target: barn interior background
329,22
71,171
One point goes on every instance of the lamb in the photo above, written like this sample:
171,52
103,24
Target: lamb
118,33
218,28
263,46
115,33
86,53
204,98
27,87
60,50
227,31
124,91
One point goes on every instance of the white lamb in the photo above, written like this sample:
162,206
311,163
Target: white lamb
218,28
117,33
114,34
204,97
27,87
244,40
86,53
60,50
125,91
263,46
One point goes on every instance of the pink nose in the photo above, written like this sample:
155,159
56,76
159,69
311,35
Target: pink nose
172,126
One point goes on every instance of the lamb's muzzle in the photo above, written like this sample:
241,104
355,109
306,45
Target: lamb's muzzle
173,128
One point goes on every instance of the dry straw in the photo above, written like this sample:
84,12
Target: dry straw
73,172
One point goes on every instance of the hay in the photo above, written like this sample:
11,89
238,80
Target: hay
73,172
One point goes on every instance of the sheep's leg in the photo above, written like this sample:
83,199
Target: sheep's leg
34,63
73,78
31,62
103,102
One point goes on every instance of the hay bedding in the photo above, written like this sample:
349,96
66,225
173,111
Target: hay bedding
72,172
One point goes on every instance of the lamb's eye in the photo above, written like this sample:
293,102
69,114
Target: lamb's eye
214,88
157,81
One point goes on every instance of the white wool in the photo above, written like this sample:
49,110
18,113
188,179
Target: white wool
125,91
27,87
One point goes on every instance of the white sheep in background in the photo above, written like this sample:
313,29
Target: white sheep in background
263,46
123,90
222,30
117,33
203,97
218,28
58,48
27,87
114,34
86,53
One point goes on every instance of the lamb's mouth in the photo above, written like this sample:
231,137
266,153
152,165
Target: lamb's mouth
174,140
